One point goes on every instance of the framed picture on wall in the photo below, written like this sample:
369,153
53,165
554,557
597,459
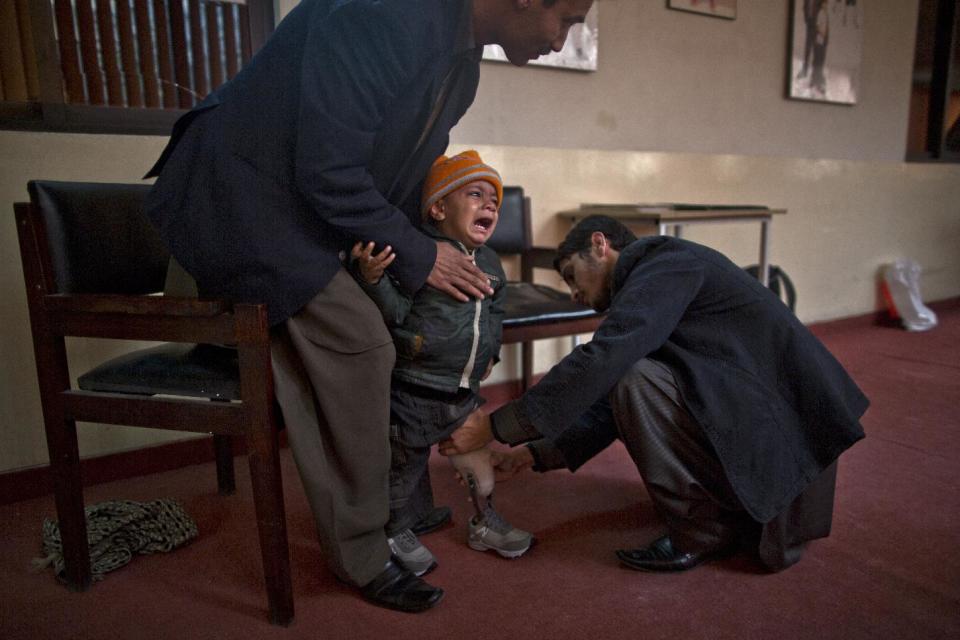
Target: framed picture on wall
825,50
719,8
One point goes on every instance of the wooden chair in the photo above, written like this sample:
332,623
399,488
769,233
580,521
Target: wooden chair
533,311
90,261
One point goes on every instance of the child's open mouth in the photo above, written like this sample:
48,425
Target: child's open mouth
483,224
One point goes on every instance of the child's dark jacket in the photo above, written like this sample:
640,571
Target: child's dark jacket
443,343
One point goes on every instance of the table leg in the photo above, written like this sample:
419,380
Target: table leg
764,266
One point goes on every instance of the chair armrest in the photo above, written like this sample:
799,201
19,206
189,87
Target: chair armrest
535,258
135,305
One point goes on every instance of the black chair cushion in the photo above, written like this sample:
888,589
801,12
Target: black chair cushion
193,370
527,303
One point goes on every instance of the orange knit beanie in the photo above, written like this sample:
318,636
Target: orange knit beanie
449,174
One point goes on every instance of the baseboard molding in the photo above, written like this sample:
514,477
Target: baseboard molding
879,318
35,482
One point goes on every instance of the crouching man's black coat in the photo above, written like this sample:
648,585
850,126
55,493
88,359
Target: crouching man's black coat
774,403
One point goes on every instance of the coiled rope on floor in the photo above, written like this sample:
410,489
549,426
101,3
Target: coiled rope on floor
119,529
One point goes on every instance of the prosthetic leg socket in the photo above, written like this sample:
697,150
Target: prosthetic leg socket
476,469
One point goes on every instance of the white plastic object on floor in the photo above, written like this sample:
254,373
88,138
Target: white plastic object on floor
901,288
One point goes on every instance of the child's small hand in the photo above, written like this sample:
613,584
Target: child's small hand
372,266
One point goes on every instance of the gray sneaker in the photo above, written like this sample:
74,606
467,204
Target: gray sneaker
415,557
491,531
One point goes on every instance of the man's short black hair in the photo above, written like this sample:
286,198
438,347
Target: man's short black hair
578,240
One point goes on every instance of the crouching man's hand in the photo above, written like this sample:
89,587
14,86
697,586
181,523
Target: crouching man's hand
474,433
507,464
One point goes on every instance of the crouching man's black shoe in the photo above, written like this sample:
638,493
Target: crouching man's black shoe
437,518
397,588
661,556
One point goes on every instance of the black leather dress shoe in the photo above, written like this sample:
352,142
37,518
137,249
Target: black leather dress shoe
661,556
397,588
437,518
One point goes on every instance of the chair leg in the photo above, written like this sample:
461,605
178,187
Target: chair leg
68,495
54,378
263,454
223,450
526,357
264,458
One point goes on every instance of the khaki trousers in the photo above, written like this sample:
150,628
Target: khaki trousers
331,364
687,483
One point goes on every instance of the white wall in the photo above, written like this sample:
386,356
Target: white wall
684,107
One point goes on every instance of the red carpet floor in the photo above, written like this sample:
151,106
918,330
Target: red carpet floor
890,569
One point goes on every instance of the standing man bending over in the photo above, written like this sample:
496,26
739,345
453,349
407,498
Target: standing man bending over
321,141
733,412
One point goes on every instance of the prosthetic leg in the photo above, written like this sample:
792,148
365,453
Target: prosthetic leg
487,529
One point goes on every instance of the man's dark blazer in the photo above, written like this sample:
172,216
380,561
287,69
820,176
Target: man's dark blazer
320,141
775,404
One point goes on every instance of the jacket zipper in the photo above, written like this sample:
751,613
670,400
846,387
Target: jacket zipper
468,369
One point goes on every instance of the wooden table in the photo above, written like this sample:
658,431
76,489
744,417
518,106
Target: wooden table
667,215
